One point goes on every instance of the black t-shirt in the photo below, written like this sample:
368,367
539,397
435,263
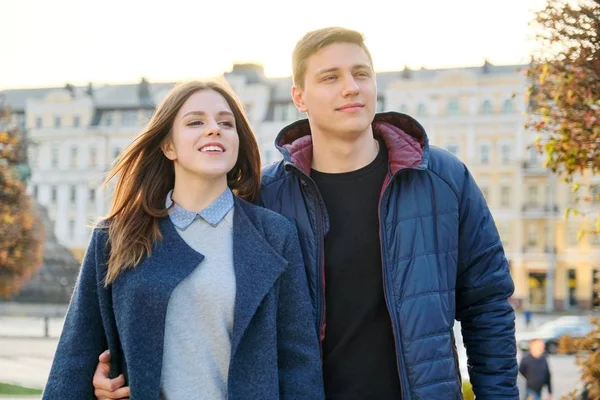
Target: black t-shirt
359,355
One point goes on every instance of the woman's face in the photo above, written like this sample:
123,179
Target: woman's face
204,141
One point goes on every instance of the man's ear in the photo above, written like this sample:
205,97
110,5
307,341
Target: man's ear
298,98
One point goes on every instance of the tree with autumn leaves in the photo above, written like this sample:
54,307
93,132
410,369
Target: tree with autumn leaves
564,95
21,232
564,110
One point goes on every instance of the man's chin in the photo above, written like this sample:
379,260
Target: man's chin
358,125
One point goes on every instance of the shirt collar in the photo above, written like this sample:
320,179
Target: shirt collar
213,214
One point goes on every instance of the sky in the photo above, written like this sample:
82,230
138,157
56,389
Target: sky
51,43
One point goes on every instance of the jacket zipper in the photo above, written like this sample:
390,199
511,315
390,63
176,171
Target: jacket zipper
395,330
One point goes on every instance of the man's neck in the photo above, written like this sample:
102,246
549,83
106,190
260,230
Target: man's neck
335,156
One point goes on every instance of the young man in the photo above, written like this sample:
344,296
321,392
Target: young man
534,368
397,240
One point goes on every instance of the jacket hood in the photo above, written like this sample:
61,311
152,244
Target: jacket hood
404,137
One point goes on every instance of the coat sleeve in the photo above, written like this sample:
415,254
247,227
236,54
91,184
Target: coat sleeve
83,338
483,288
298,350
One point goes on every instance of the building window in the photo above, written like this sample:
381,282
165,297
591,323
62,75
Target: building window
534,155
380,104
572,232
595,192
286,112
53,194
484,154
73,196
107,119
505,196
74,157
487,107
267,156
506,156
21,121
453,107
54,157
421,110
93,157
33,157
92,195
532,235
532,195
281,112
453,148
76,121
294,112
38,122
129,118
57,121
507,107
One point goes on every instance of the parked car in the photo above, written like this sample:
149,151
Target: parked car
552,331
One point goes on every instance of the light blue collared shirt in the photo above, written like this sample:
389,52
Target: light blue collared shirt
212,214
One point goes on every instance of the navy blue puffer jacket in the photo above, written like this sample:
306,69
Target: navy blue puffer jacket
442,259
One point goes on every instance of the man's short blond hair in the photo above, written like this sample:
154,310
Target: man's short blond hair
316,40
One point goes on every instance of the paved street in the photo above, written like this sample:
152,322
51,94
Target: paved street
25,357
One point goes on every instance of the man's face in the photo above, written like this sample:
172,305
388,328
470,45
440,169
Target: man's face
536,348
340,92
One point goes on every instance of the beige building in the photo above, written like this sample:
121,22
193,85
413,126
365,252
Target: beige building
477,113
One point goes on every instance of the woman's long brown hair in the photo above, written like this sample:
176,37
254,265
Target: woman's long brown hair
145,176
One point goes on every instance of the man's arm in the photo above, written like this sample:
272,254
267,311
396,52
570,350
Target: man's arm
483,287
523,367
548,378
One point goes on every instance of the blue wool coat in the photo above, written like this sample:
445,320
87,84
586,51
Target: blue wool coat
275,351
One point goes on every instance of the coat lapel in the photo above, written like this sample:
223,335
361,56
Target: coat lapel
257,268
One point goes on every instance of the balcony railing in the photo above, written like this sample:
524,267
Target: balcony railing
533,168
535,249
535,210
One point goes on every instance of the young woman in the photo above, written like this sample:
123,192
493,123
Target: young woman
184,270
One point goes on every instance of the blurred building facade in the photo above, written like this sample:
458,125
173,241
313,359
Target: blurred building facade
477,113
